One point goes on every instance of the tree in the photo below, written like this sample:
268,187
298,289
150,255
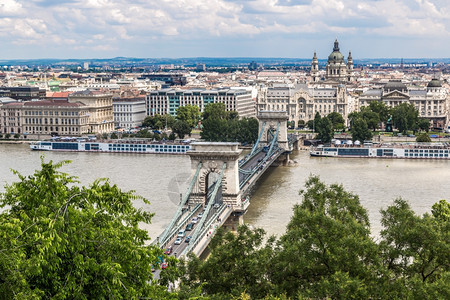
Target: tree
16,136
327,251
189,114
114,136
423,124
372,118
405,117
359,130
181,128
7,136
381,109
214,130
310,124
238,263
60,240
423,138
337,120
215,111
324,129
415,249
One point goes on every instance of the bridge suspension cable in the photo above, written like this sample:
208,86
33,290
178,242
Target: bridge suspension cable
202,221
183,202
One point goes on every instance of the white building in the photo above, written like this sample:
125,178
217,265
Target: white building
167,101
129,112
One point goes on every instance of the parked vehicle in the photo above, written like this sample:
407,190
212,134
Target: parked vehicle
178,241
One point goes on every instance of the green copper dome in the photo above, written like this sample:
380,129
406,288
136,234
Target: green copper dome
336,55
434,83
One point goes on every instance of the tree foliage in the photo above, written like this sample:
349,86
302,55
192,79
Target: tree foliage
189,114
337,120
62,241
222,126
324,129
405,117
360,130
423,138
181,128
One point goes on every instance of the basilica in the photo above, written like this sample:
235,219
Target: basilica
337,69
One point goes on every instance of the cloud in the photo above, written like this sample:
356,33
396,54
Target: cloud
108,25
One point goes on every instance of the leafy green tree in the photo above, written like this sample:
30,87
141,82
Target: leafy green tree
214,130
7,136
360,131
415,249
172,136
327,251
381,109
337,120
324,129
16,136
189,114
114,136
405,117
423,124
423,138
63,241
215,111
238,263
181,128
372,118
310,124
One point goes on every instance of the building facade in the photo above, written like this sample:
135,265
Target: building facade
100,106
432,102
167,101
45,117
302,102
129,112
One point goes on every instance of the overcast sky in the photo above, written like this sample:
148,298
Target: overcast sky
223,28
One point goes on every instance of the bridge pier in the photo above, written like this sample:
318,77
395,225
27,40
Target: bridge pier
233,221
212,156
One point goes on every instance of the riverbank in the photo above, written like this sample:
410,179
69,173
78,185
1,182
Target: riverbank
9,141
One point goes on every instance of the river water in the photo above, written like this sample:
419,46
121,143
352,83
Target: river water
161,179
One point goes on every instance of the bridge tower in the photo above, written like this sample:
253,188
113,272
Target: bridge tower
212,156
269,121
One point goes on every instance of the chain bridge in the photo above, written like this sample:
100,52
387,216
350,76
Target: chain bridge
219,191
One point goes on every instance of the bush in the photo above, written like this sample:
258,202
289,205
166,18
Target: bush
7,136
423,138
17,136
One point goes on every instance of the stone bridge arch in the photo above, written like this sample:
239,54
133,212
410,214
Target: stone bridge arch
271,120
212,156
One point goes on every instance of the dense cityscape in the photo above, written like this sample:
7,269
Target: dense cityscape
226,149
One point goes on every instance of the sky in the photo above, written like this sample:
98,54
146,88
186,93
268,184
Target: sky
86,29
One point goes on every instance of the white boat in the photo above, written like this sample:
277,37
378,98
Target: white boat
391,150
113,146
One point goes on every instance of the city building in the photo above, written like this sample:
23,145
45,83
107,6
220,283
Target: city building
167,101
129,112
168,79
100,106
44,118
432,101
22,92
302,102
337,69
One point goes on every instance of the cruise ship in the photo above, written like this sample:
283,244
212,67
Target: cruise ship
113,146
388,150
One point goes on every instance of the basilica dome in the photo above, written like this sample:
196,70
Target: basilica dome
336,55
434,83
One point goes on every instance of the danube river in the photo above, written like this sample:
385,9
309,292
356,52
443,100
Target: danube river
161,179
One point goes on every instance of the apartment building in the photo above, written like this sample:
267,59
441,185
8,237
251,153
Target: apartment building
167,101
129,112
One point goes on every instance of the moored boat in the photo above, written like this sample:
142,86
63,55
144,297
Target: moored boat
112,146
387,150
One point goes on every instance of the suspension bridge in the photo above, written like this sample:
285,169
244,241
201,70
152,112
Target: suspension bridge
221,183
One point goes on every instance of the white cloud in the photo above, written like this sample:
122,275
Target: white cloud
106,25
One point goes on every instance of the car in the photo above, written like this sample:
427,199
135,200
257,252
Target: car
168,250
178,241
200,215
411,135
164,266
187,239
216,205
194,220
181,233
189,227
